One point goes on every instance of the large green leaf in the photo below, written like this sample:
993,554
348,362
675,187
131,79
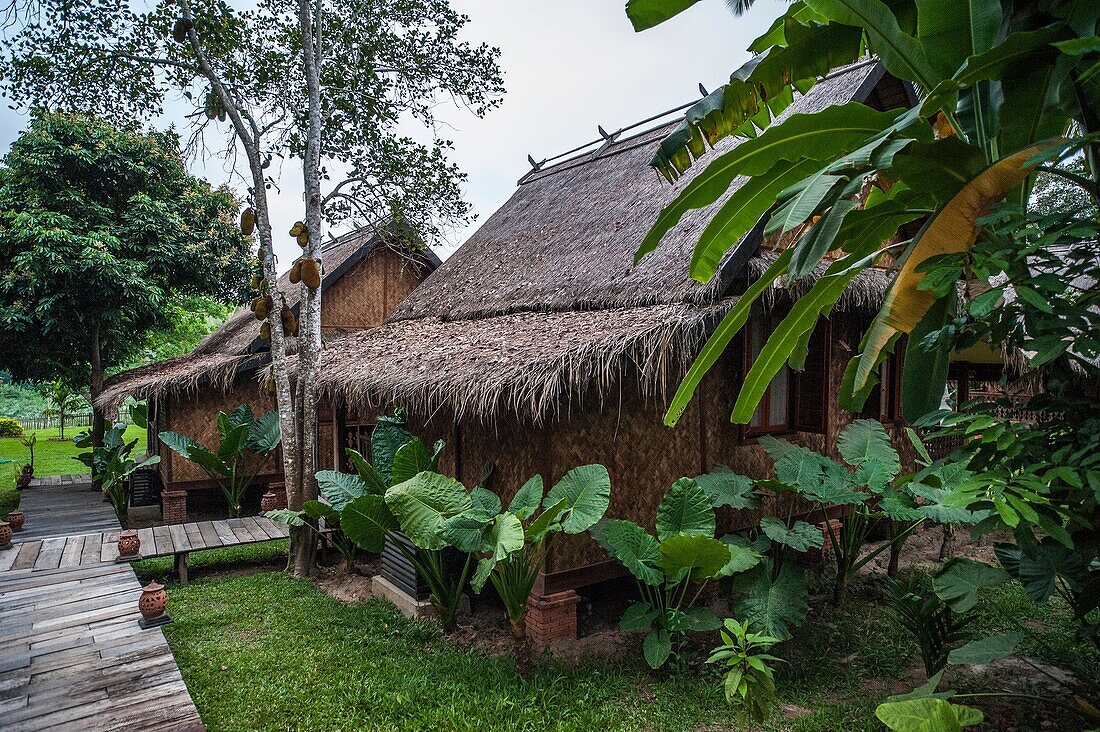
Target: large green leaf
586,489
339,489
503,538
802,199
181,444
631,546
742,559
951,32
772,605
924,381
264,434
700,557
727,488
1039,570
741,212
985,650
387,437
527,498
411,458
485,501
371,478
423,503
723,334
233,439
685,509
466,531
900,52
820,136
645,14
865,445
958,582
366,521
656,647
801,536
639,616
927,715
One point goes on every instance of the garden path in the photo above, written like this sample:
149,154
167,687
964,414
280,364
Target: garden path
63,505
72,655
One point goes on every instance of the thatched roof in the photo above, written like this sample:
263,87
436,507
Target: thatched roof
237,343
542,307
566,238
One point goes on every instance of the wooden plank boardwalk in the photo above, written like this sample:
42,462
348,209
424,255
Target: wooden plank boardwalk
178,540
73,657
64,505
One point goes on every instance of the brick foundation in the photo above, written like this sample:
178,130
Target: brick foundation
173,509
279,489
550,617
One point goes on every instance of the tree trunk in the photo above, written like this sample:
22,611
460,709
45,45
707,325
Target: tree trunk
895,551
521,647
99,423
309,310
947,545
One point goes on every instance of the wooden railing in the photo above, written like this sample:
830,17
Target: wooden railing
42,423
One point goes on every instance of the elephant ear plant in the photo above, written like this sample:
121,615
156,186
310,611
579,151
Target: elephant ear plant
514,543
673,568
243,443
112,465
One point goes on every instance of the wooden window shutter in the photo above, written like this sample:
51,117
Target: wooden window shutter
810,387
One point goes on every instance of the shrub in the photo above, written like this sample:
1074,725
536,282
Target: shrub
10,427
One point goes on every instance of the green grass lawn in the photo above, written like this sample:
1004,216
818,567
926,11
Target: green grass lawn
262,651
57,457
50,458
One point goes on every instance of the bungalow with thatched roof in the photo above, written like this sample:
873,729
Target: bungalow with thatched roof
367,274
539,345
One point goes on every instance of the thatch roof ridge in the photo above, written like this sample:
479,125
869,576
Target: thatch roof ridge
565,240
236,343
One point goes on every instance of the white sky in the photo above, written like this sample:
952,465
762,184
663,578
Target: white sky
568,65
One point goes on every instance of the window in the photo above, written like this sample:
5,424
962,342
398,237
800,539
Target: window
884,401
794,401
810,387
772,414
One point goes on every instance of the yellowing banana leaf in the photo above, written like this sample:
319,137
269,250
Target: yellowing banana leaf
952,229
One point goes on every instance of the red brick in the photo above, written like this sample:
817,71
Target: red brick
550,617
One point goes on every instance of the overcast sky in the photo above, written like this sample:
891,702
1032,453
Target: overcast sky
569,65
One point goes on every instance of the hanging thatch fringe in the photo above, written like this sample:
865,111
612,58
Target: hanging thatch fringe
180,374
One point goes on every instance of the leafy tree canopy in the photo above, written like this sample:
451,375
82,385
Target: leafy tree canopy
101,228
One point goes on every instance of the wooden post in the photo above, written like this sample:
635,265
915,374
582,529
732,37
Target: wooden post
181,566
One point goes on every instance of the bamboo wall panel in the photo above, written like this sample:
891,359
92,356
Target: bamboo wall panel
369,291
195,414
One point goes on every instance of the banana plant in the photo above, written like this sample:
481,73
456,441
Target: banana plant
1006,90
244,443
672,569
513,544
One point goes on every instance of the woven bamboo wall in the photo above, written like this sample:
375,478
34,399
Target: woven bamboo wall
195,414
369,291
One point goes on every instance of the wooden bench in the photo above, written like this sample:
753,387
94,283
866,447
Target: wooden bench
175,540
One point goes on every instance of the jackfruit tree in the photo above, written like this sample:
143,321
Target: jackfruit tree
101,229
347,92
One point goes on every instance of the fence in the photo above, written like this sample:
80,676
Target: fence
41,423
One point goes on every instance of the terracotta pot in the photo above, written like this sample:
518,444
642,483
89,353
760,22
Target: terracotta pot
16,519
5,535
128,543
153,600
269,502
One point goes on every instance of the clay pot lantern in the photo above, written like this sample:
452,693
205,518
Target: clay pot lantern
5,535
269,502
128,545
16,519
152,603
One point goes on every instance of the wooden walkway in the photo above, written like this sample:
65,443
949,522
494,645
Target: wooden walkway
72,655
175,540
64,505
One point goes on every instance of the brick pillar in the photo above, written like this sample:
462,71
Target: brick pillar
550,617
279,489
173,509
